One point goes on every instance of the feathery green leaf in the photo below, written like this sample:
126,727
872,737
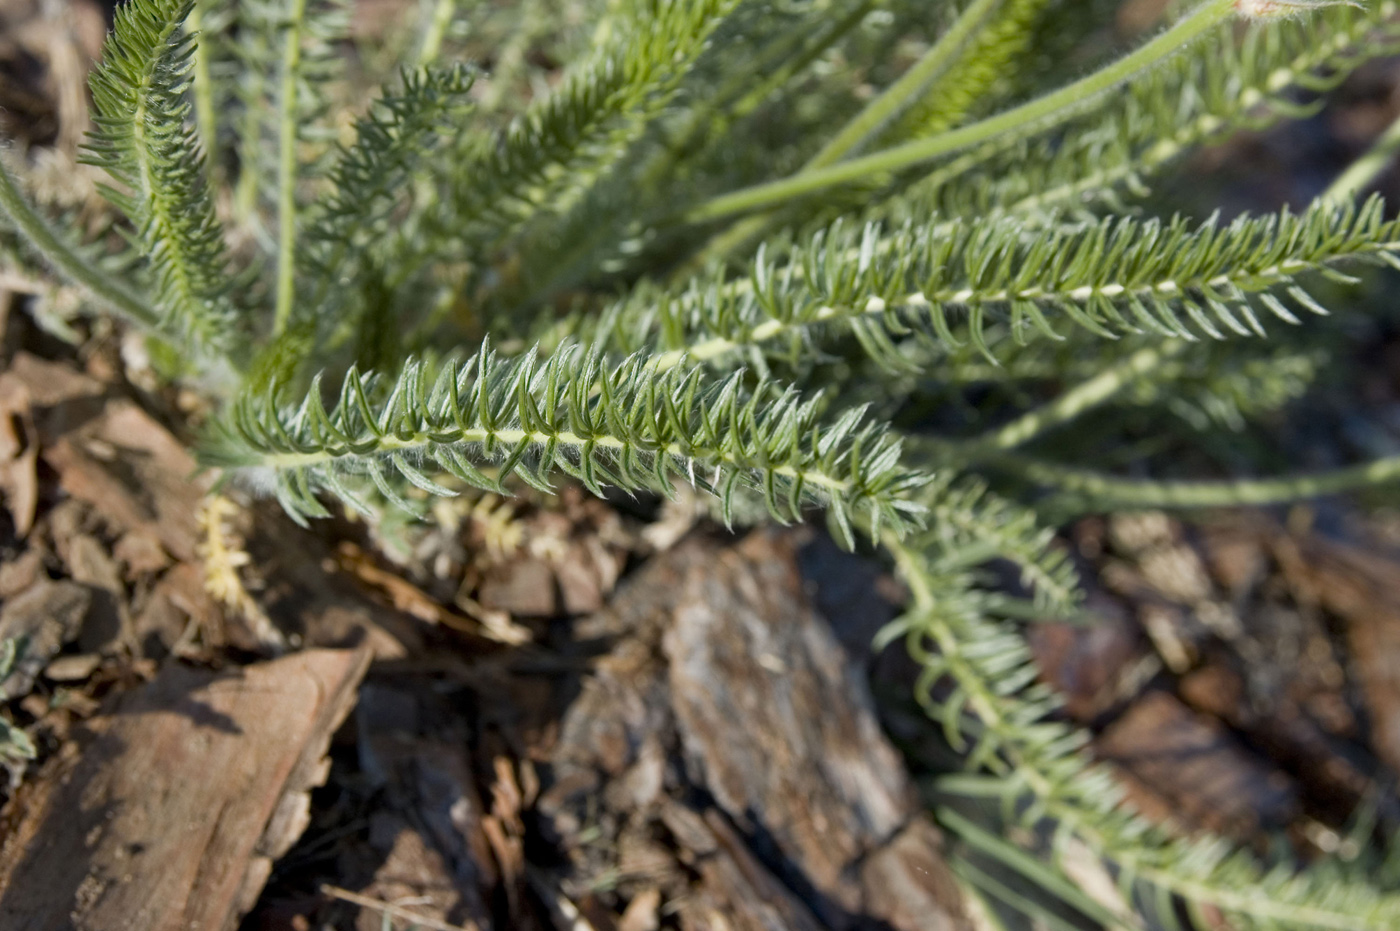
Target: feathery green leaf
144,142
632,426
558,148
950,282
342,265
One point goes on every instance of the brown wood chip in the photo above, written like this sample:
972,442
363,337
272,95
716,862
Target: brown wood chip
46,617
724,685
168,814
1186,768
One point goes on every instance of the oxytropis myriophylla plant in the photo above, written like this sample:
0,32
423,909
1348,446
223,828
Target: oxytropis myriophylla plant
891,261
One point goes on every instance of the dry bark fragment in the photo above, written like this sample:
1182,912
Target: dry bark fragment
53,383
169,816
293,572
1093,667
21,573
108,625
1363,589
413,870
45,617
1183,767
773,724
428,825
724,685
524,587
133,473
1331,772
111,454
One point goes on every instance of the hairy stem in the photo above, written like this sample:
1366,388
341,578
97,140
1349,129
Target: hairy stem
772,329
779,65
206,124
564,438
63,257
917,80
775,66
873,117
1212,123
436,31
1072,403
1034,116
1089,489
287,167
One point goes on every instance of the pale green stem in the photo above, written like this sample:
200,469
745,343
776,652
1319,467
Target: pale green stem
771,329
899,95
436,31
895,98
287,168
1201,130
1026,610
250,147
206,123
513,437
1036,115
245,195
979,883
1361,173
1071,404
982,701
62,256
1101,491
1037,871
774,68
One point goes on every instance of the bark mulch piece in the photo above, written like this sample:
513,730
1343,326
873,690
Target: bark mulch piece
725,753
167,812
1362,589
43,618
1187,768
